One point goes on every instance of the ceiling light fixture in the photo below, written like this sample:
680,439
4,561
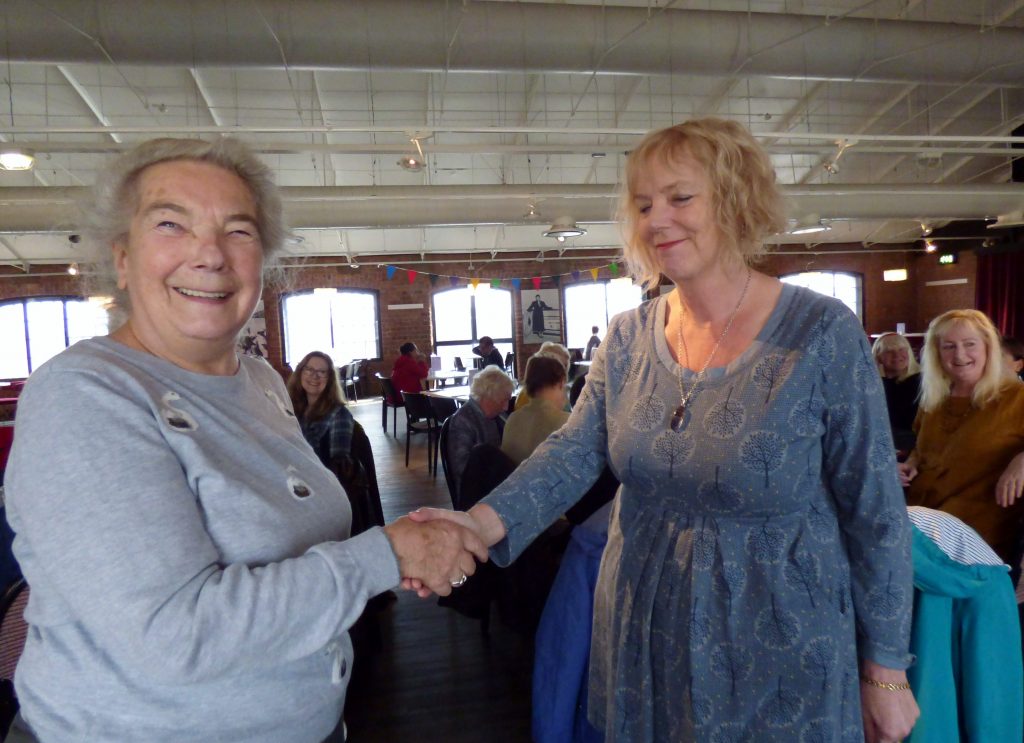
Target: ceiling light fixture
73,269
564,227
809,225
831,165
17,158
930,246
926,229
1013,219
413,163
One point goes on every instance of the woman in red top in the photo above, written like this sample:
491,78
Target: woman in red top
410,369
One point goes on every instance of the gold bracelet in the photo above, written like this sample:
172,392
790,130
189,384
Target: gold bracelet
887,685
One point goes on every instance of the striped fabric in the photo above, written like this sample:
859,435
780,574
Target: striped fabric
13,630
959,541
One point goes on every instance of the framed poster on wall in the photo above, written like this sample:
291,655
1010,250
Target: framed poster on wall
542,315
252,341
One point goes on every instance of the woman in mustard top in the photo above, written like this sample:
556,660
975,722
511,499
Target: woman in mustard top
969,457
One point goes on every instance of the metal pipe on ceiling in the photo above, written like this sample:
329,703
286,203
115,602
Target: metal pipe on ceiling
507,37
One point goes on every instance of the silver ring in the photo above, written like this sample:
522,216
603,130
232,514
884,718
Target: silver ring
460,582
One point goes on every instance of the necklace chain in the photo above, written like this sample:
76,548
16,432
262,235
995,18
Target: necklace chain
679,417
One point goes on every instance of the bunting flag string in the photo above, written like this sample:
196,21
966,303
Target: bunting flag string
614,270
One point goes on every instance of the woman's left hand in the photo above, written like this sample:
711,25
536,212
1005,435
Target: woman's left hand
1011,484
889,716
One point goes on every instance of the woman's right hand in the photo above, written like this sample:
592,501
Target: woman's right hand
907,471
481,519
435,555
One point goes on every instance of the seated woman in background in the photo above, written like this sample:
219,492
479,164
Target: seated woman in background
316,399
554,351
1013,358
410,369
477,421
543,415
968,459
901,377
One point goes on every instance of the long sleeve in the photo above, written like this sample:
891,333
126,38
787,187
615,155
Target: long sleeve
557,474
860,470
187,542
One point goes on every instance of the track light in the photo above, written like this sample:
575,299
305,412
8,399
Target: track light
809,225
73,269
930,246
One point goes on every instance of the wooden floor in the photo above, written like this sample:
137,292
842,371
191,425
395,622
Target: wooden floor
435,678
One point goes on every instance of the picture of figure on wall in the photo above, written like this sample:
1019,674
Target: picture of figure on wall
542,316
252,341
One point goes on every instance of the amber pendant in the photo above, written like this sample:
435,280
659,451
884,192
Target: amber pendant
679,418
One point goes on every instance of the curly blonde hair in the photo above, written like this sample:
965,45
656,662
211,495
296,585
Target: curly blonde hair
744,194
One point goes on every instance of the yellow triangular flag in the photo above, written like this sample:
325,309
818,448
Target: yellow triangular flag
594,272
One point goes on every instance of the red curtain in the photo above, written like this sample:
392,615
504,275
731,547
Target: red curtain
1000,291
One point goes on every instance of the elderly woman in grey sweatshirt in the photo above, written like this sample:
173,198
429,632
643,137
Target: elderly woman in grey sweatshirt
192,576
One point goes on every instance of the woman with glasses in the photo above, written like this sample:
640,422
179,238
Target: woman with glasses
756,584
325,420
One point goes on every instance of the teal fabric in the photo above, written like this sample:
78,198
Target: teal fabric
966,635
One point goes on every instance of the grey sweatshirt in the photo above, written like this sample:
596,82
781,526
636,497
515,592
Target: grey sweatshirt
187,553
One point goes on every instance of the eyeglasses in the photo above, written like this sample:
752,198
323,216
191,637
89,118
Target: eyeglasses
318,373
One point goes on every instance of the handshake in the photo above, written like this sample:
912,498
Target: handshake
437,549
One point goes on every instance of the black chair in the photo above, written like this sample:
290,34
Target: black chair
389,399
348,376
510,363
441,409
13,631
442,445
362,452
419,419
459,366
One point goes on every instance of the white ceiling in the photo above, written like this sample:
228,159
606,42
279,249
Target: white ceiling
515,104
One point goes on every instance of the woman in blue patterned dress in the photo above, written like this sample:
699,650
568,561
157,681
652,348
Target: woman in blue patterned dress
756,585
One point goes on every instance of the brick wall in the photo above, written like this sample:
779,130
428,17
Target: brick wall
885,304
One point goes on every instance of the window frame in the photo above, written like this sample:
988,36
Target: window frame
24,301
282,313
472,319
857,276
607,317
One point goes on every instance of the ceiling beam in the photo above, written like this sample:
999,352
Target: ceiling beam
88,100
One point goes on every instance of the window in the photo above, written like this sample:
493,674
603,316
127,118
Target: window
461,316
587,305
846,287
342,323
32,331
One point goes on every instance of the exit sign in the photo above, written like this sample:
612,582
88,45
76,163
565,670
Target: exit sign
947,259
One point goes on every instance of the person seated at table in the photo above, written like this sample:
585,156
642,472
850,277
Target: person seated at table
478,422
901,378
325,420
552,350
969,456
490,355
1013,358
410,369
192,570
543,415
592,344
